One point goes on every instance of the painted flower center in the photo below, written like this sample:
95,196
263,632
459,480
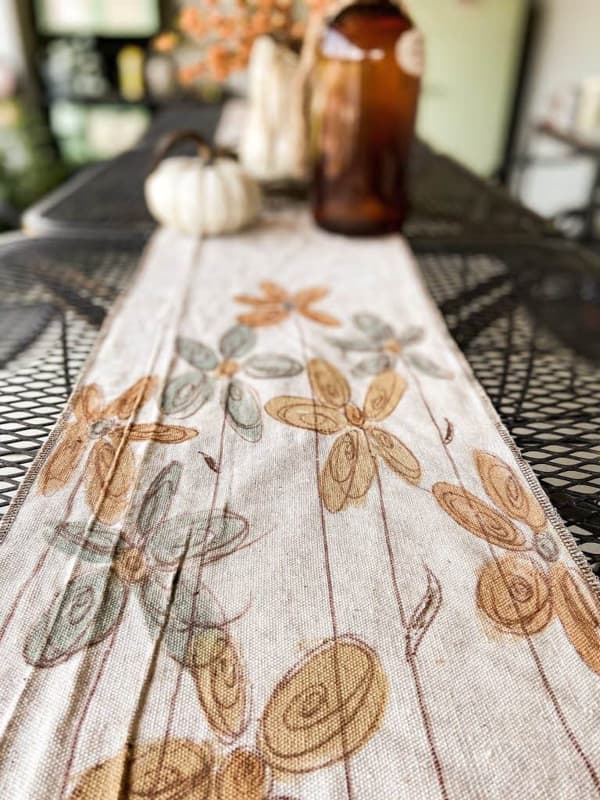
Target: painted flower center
101,428
287,305
227,369
354,415
392,346
130,565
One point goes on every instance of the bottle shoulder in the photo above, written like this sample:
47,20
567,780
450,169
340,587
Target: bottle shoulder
369,24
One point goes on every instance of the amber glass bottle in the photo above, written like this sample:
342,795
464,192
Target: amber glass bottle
364,97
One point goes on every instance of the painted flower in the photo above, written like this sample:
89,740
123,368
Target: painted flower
350,467
518,593
323,711
141,559
277,304
107,427
187,393
385,347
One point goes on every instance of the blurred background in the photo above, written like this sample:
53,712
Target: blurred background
512,87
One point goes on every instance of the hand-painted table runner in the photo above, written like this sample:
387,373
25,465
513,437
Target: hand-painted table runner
279,546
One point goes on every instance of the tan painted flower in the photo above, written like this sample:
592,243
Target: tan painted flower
277,304
350,467
110,467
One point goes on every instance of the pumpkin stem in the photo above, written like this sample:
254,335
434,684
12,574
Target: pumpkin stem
209,152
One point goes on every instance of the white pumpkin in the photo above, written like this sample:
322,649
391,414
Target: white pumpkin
204,195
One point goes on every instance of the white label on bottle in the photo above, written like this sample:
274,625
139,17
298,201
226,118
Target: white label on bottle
410,52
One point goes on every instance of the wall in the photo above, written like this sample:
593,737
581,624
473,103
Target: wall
567,49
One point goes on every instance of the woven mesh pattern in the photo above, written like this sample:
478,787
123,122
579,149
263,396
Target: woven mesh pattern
499,310
55,295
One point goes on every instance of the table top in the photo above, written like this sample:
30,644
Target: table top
523,305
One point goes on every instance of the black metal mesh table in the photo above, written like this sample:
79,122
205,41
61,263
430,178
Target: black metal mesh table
523,306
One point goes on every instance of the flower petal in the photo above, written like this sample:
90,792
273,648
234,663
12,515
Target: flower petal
110,475
64,459
157,432
157,500
250,300
272,315
187,393
197,354
514,594
272,365
578,612
243,410
243,775
237,341
478,517
506,490
132,399
373,365
306,296
348,472
80,616
383,395
424,364
302,413
320,316
395,454
274,291
411,335
374,327
87,403
328,384
175,769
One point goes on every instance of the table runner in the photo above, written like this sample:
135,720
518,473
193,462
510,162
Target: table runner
280,546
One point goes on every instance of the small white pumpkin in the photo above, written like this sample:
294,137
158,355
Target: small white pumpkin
204,195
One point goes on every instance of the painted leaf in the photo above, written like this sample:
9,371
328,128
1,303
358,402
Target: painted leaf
348,472
221,683
126,405
579,613
373,327
328,384
90,541
325,709
109,478
243,410
64,459
156,503
383,395
243,775
478,517
187,393
197,354
424,614
209,536
515,595
237,341
175,769
428,367
302,413
272,366
506,490
373,365
395,454
82,615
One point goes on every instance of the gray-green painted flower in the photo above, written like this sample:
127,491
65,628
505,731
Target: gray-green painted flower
156,559
187,393
383,346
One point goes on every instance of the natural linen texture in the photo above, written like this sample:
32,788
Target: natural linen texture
279,547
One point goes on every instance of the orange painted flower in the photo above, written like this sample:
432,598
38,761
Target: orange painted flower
110,466
277,304
351,466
